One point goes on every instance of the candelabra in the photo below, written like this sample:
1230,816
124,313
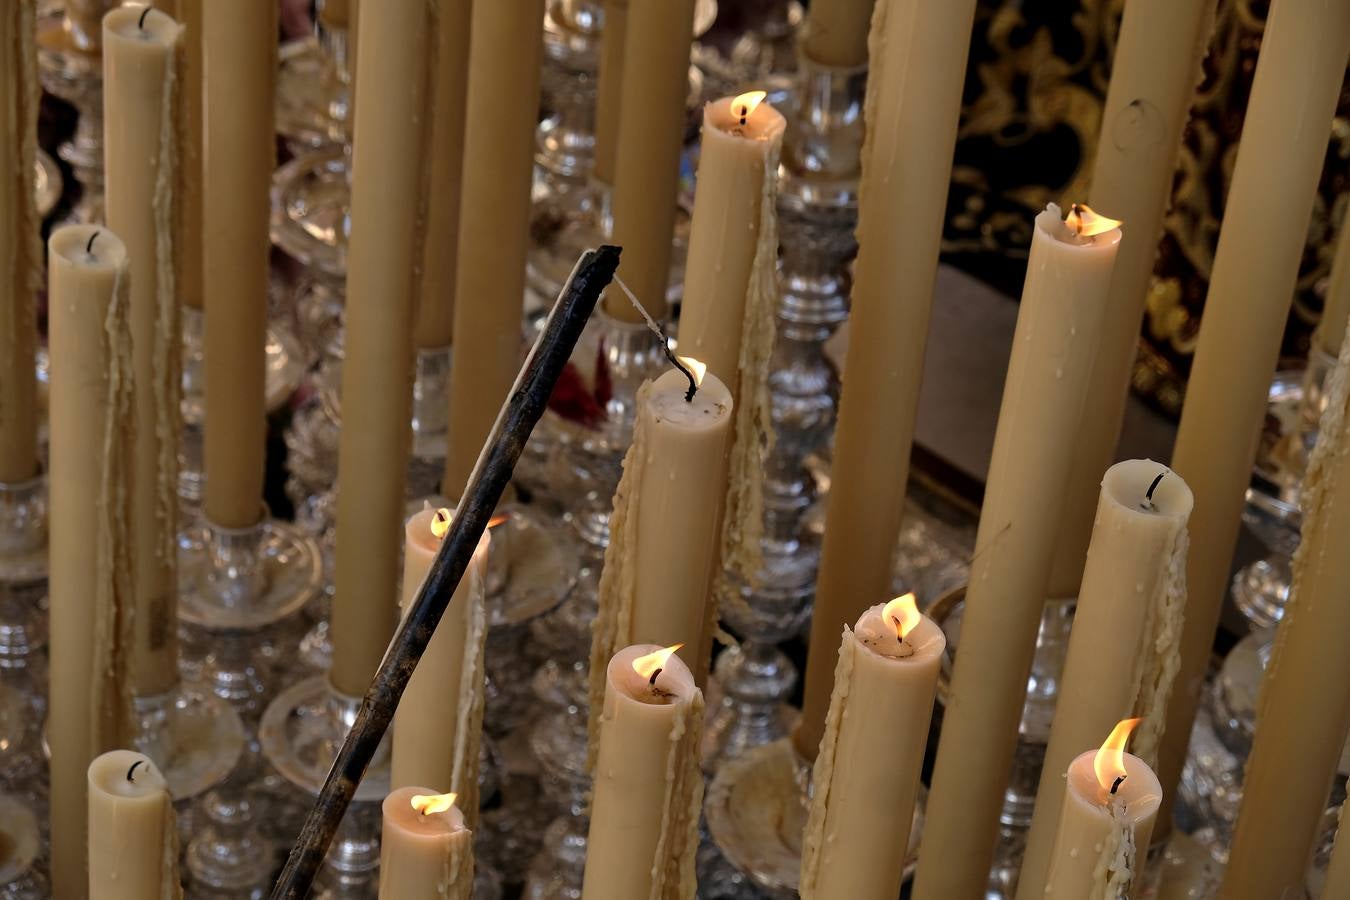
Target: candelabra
70,66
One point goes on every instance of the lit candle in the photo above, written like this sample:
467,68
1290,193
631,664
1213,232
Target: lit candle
866,775
1303,711
1123,648
89,337
1304,51
133,835
382,260
439,719
835,33
141,126
426,852
648,789
20,272
1110,803
1058,324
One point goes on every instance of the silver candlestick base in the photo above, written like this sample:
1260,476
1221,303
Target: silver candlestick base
311,216
20,875
192,735
23,570
227,855
70,67
559,743
314,90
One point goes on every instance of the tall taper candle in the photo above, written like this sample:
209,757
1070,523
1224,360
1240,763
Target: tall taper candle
1058,324
1336,310
191,13
835,33
133,833
503,98
1284,143
609,89
141,154
388,186
918,67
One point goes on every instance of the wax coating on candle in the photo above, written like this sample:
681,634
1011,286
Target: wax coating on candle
424,855
133,834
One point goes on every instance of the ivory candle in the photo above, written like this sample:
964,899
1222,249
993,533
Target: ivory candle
609,89
503,98
1303,710
1110,804
439,719
866,775
835,33
918,67
89,336
648,788
141,47
673,483
1156,66
20,248
1123,648
388,185
191,14
240,59
133,835
426,852
440,247
647,150
1336,309
1058,325
1284,140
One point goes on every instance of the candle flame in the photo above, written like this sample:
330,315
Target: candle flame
699,369
498,519
1109,763
902,614
1083,222
427,804
747,103
440,522
650,666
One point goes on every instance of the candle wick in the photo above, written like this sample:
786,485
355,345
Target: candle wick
1115,786
141,22
1148,495
1076,213
745,112
652,681
132,771
89,247
665,341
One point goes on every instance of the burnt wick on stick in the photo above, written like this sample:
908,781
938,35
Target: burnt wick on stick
665,341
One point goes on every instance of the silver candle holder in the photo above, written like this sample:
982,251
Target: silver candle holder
70,66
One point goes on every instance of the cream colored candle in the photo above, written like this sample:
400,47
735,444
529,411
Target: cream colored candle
835,33
1123,650
240,78
866,775
440,247
440,717
133,834
1153,77
141,154
1303,711
1284,141
334,13
1337,882
426,852
503,99
20,248
89,337
918,67
661,564
648,789
191,13
1336,308
609,89
1058,325
388,187
647,150
1110,804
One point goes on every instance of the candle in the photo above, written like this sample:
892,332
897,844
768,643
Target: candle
22,254
609,88
240,81
914,102
835,33
1303,711
503,98
647,150
673,484
140,99
388,184
1154,72
439,720
1058,324
436,307
191,13
1110,803
133,835
426,852
1284,141
648,789
1123,649
867,772
89,338
334,13
1337,882
1336,309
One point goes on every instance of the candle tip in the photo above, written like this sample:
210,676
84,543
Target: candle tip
140,23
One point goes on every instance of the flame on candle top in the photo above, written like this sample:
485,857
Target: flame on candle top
426,804
1083,222
1109,763
745,104
699,369
650,666
440,522
902,614
498,519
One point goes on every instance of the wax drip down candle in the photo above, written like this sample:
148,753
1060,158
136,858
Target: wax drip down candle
426,851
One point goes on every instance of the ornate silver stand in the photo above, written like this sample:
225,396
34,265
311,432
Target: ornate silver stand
764,57
71,67
314,89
